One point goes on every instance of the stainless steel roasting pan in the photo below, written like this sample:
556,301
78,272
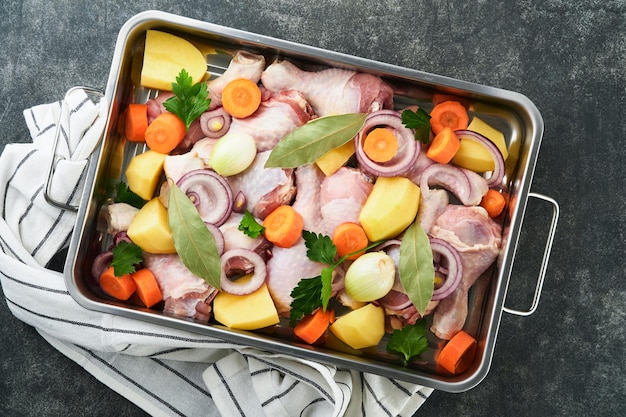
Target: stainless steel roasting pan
514,114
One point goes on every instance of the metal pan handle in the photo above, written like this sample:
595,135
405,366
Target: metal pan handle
544,261
54,158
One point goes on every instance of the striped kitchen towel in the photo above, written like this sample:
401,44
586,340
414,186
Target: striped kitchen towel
165,371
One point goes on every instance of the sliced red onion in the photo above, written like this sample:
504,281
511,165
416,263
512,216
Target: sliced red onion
454,266
210,193
121,237
242,261
408,147
215,123
239,205
218,237
499,168
452,178
395,300
100,263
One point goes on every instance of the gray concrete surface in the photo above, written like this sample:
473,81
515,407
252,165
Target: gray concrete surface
569,57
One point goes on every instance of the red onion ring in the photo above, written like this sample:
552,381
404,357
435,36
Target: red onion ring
246,261
210,193
450,177
408,149
499,168
100,263
218,115
395,300
218,237
455,268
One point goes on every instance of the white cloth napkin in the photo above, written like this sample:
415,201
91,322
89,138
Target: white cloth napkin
166,372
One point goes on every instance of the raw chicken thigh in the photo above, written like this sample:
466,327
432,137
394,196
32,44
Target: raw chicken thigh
330,91
243,65
264,189
477,239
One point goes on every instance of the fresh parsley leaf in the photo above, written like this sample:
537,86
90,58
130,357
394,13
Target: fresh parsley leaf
249,226
419,121
307,296
320,247
126,255
125,195
410,341
189,101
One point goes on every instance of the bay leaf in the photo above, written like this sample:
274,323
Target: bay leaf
309,142
417,272
193,241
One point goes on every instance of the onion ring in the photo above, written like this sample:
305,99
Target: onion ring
455,268
246,261
215,123
499,168
210,193
218,237
408,149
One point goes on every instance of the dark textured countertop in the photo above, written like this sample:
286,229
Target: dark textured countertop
568,57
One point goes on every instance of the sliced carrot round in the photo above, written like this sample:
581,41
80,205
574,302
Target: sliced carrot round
380,145
241,97
458,354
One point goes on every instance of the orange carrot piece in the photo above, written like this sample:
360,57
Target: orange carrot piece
493,202
443,146
283,226
165,132
117,287
458,354
350,237
380,145
147,287
136,122
313,326
450,114
241,97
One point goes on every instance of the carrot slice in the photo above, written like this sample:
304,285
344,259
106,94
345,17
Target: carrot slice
314,325
136,122
493,202
458,354
283,226
121,287
241,97
147,287
450,114
443,146
165,132
380,145
350,237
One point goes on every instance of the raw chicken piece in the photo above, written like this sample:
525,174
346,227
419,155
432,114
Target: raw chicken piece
243,65
264,189
432,204
477,238
184,293
332,90
118,217
288,266
279,114
342,196
175,166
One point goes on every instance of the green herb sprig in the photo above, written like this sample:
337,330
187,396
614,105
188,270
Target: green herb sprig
126,257
409,342
190,100
249,226
419,121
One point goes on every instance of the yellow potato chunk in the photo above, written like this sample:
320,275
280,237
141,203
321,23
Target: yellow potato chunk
165,55
474,156
144,172
334,159
245,312
360,328
390,208
150,228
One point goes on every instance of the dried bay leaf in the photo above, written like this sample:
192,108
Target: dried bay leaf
312,140
417,272
193,241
